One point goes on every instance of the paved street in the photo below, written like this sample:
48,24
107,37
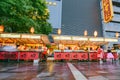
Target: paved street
60,71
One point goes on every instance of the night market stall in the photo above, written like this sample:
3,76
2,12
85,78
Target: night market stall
79,47
21,46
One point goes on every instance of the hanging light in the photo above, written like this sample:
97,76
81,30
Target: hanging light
85,33
59,31
95,33
32,30
1,28
117,34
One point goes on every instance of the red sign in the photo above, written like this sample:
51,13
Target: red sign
24,56
93,56
75,55
107,10
33,55
66,56
83,56
13,55
2,55
58,56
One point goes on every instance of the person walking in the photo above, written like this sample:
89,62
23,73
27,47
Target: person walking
110,56
100,54
44,54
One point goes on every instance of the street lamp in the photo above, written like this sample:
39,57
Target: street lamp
32,30
95,33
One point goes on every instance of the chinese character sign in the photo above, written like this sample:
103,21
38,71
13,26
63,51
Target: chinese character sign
107,10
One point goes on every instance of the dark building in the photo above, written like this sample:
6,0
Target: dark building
80,15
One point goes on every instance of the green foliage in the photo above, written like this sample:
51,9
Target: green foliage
19,15
48,45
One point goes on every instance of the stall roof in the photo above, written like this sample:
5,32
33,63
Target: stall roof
24,38
82,40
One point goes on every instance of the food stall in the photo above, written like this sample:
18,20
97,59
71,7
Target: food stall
79,47
26,46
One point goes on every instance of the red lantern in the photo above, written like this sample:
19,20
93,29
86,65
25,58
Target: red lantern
32,30
1,28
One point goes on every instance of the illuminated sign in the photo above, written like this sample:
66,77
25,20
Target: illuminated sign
111,40
30,36
96,39
10,35
80,38
107,10
62,37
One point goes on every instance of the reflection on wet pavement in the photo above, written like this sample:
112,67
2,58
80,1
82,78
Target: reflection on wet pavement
96,71
28,71
58,71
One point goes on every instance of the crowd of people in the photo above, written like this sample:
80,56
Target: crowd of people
100,54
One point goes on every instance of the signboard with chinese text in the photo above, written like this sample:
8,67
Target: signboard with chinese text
107,10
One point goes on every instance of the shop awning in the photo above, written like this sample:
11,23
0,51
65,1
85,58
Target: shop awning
24,38
82,40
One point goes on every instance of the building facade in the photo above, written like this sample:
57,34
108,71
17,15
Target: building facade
74,17
81,15
111,28
55,8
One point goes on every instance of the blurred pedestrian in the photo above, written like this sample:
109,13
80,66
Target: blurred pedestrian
109,48
44,53
110,56
100,54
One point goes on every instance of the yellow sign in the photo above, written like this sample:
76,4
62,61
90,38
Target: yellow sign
30,36
107,10
10,35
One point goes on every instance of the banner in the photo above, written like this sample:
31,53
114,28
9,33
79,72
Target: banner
107,10
24,56
33,55
13,55
66,56
93,55
58,56
2,55
75,55
83,56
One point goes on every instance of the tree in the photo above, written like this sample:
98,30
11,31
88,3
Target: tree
19,16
